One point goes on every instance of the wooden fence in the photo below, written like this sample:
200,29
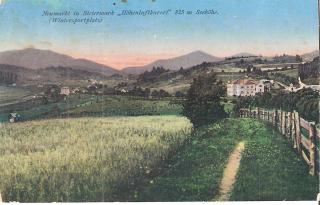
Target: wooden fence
301,134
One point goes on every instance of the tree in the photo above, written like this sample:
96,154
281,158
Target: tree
179,94
52,92
202,105
155,94
298,58
163,93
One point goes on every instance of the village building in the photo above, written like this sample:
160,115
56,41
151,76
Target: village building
65,91
248,87
124,90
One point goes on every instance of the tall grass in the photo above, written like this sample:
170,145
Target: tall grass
84,159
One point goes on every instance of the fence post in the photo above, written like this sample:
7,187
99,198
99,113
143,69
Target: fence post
290,125
292,132
0,198
297,131
275,117
279,120
283,123
312,147
316,140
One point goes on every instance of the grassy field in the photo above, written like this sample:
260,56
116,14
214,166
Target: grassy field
12,94
84,159
225,77
36,109
125,106
78,105
290,72
269,170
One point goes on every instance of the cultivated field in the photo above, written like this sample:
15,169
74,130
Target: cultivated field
84,159
125,106
12,94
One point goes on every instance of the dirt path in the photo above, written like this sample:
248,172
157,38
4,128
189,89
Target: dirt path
229,174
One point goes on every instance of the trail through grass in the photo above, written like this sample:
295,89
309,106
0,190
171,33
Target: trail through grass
269,169
229,173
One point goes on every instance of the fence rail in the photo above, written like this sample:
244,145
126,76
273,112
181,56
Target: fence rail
301,134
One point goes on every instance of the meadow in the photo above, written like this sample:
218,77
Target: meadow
84,159
12,94
78,105
269,169
125,106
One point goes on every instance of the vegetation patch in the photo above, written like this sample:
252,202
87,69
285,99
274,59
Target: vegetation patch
271,170
84,159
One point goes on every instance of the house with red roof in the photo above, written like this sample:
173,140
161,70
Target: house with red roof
246,87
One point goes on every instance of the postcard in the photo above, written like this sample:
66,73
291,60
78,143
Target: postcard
159,100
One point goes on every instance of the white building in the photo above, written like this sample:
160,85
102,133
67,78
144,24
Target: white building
247,87
65,91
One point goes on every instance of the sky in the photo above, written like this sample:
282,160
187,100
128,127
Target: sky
266,27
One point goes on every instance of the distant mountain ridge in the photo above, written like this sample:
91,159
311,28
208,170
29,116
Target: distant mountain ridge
36,59
59,74
185,61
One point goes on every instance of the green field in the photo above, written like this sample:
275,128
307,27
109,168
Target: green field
290,72
125,106
12,94
84,159
78,105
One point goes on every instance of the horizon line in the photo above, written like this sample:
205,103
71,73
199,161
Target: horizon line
152,61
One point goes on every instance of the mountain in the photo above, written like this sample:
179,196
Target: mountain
37,59
310,56
14,74
176,63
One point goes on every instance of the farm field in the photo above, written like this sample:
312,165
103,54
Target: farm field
125,106
36,108
84,159
290,72
225,77
78,105
12,94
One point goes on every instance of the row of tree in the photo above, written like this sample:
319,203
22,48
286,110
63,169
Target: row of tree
8,77
149,76
305,101
309,70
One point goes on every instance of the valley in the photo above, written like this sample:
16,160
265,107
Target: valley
91,135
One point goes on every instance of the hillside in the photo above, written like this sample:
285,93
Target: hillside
185,61
15,74
37,59
310,56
